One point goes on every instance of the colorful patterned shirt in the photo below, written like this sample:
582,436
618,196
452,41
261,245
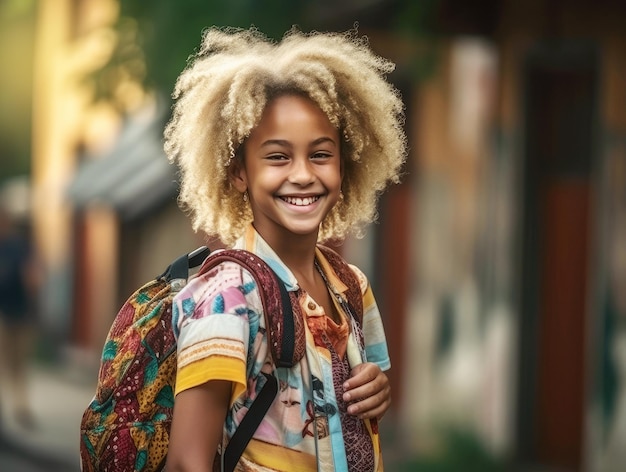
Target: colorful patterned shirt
219,325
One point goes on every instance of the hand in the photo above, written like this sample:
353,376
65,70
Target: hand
368,391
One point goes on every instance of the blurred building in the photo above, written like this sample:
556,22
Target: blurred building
498,262
104,194
517,206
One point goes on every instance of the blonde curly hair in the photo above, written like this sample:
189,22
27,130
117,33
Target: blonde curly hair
221,95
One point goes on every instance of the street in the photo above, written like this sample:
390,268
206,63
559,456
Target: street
58,395
13,459
12,463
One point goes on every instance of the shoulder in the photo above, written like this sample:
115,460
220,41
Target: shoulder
221,274
224,289
241,265
348,273
361,277
232,273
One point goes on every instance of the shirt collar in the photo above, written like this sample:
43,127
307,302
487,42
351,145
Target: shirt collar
331,276
253,242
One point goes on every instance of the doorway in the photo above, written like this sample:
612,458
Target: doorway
560,105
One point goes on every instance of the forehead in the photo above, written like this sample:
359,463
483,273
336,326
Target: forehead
294,113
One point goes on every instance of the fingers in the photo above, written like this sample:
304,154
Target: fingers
361,375
374,406
364,386
367,391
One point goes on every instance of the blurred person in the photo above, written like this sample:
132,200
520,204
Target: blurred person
18,286
283,146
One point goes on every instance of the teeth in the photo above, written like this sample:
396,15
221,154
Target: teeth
299,201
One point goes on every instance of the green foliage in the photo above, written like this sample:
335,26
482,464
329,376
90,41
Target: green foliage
416,21
156,38
17,24
415,18
461,450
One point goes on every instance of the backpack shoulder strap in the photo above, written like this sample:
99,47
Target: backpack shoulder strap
179,268
285,330
250,422
346,274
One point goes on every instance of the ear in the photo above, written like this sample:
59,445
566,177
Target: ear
237,175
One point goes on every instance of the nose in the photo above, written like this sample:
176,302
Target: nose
301,171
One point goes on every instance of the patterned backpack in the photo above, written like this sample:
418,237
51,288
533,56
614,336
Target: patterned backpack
126,426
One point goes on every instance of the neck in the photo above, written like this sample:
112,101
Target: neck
297,253
299,257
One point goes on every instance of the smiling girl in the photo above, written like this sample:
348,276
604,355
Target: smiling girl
282,146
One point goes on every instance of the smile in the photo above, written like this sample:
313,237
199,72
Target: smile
300,201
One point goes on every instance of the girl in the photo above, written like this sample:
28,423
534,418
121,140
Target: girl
282,146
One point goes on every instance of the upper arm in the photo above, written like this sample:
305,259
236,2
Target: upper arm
216,318
197,426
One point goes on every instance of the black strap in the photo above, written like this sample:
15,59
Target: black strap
249,424
251,421
289,332
179,269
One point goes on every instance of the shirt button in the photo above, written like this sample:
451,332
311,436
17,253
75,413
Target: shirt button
312,306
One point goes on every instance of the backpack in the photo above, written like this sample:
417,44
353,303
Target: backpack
126,426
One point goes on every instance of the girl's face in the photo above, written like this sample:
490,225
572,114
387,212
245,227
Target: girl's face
291,170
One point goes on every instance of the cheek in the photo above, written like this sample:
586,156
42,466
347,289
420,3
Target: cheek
336,181
334,175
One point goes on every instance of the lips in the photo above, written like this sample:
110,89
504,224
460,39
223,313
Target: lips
300,201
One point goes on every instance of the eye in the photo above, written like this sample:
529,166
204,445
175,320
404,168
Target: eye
320,155
276,157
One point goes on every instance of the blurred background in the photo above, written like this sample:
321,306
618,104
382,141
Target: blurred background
499,262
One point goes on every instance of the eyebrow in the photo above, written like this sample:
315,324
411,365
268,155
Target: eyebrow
285,143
